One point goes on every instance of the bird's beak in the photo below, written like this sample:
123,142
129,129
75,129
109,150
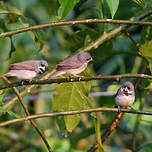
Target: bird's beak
91,59
126,89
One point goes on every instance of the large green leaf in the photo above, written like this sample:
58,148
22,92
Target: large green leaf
65,7
7,9
146,34
146,49
71,96
40,38
146,147
82,38
113,6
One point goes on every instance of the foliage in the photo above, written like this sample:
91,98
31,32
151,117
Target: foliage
120,55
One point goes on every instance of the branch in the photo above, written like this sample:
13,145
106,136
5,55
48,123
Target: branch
112,33
13,101
74,112
28,114
10,103
75,79
103,38
64,23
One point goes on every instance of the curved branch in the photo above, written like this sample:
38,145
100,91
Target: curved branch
10,103
75,79
28,114
64,23
74,112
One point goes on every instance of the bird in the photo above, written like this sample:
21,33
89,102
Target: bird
73,65
27,70
125,95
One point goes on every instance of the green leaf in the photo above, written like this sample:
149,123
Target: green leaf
98,134
83,37
139,2
12,48
13,114
2,93
7,9
146,49
113,6
146,34
71,96
146,147
150,66
65,7
3,110
9,112
40,38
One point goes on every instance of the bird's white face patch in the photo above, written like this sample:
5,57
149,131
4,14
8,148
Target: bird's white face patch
126,89
42,69
130,92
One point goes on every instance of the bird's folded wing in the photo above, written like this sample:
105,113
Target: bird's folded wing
26,65
117,92
72,62
66,67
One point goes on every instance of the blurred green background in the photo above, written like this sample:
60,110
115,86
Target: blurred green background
119,55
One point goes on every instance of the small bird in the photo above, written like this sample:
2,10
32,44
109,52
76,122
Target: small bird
73,65
27,69
125,95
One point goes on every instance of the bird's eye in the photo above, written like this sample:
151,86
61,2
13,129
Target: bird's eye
42,65
89,59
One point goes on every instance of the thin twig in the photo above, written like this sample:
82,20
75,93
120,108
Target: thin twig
76,79
74,112
103,38
65,23
28,114
10,103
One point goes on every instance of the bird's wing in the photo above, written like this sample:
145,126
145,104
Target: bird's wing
72,62
117,92
26,65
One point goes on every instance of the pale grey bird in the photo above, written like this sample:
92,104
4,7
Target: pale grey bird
27,69
73,65
125,95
